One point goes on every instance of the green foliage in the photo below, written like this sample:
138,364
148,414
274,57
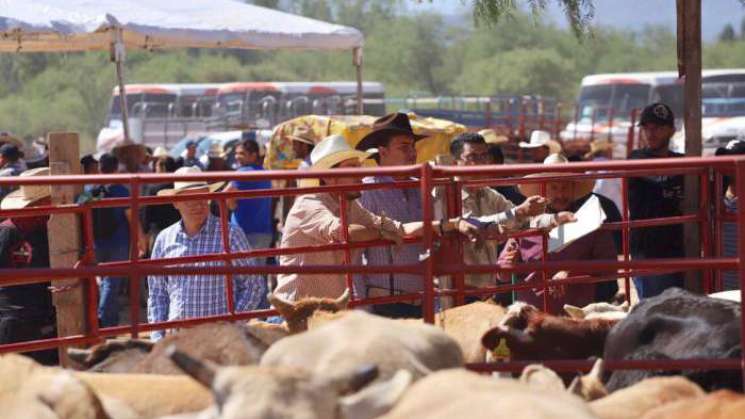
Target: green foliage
410,53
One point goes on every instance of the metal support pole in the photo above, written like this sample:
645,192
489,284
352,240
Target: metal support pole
357,61
740,185
428,302
118,55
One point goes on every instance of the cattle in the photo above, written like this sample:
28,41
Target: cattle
600,310
297,315
633,402
590,387
677,325
539,377
146,396
457,393
222,343
531,334
357,337
722,404
732,295
260,392
467,324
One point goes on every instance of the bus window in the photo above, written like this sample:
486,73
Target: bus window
116,108
672,96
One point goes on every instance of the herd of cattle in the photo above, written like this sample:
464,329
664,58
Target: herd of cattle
327,362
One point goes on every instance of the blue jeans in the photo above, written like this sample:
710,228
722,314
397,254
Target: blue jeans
652,285
261,241
110,288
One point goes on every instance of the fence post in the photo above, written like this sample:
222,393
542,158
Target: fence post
740,185
428,302
65,240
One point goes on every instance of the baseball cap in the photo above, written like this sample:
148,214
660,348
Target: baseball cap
657,113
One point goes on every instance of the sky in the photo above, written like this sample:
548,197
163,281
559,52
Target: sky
630,14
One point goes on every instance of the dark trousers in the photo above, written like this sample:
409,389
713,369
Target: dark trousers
398,311
20,324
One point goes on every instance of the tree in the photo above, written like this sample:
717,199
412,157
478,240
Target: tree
579,12
728,33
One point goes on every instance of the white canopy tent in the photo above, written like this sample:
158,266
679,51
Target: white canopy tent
117,25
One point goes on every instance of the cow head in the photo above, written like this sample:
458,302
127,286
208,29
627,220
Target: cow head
597,310
297,314
111,356
253,392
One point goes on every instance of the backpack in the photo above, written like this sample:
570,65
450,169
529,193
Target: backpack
105,220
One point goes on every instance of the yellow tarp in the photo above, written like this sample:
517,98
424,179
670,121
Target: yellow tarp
279,153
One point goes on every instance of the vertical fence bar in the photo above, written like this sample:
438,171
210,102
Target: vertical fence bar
226,252
557,120
718,212
544,258
705,227
91,286
345,238
428,303
134,237
740,185
576,122
454,209
592,124
625,235
630,137
611,113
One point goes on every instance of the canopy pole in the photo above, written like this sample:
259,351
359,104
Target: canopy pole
118,55
357,60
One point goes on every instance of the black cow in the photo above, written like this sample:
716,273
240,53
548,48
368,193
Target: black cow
677,325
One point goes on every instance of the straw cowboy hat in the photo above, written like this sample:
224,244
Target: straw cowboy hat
331,151
540,139
492,137
160,152
582,186
302,134
27,194
597,147
7,137
189,185
385,127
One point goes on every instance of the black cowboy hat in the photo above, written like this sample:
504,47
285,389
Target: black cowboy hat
384,127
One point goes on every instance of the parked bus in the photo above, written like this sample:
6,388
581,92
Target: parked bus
606,102
161,114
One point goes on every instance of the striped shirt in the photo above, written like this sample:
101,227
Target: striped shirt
176,297
404,205
730,279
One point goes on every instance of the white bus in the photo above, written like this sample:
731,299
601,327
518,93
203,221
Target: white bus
162,114
606,102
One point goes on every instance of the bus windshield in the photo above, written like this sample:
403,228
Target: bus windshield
621,98
723,99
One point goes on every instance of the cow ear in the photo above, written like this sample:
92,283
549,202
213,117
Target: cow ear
285,308
80,357
198,370
352,381
377,399
574,311
343,300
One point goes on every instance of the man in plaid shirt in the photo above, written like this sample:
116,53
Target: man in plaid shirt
175,297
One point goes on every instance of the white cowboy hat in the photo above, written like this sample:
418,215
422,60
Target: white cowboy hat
582,186
331,151
541,139
492,137
160,152
27,194
188,185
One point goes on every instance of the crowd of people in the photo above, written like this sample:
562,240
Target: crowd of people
489,214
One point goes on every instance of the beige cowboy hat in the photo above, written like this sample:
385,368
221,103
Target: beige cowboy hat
27,194
540,139
598,146
160,152
331,151
189,185
302,134
582,186
492,137
7,137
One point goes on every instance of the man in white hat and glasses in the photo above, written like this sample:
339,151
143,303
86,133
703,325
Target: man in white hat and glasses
540,145
175,297
26,311
314,220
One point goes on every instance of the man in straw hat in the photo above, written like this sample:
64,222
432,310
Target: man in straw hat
656,197
174,297
26,311
302,145
541,145
563,196
315,220
500,214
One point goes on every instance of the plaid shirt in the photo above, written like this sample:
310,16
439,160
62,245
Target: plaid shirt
404,205
177,297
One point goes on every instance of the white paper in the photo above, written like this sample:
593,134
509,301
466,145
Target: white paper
590,217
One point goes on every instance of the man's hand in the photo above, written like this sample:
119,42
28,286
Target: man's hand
392,235
468,229
511,254
563,217
558,291
533,205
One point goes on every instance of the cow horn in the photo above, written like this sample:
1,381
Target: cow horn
197,369
596,372
343,300
357,379
284,307
377,399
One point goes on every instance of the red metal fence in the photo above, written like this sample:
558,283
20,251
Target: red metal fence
443,258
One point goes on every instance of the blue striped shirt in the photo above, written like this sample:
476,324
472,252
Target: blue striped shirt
730,279
175,297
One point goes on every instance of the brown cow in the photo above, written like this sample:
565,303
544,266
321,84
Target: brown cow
722,404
